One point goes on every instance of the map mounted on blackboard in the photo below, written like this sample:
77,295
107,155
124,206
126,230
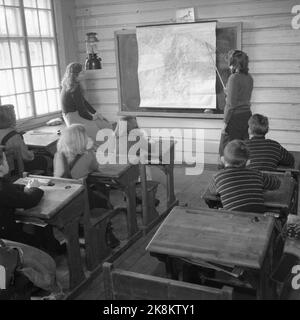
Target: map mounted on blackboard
228,37
177,66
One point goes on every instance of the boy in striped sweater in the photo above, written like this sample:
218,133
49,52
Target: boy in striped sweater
265,154
241,188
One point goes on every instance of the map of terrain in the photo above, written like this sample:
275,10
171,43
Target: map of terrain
176,65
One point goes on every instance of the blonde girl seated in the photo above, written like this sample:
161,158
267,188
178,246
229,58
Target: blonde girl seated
75,159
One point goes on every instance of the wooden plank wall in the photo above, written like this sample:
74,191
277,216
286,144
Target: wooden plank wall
66,35
273,47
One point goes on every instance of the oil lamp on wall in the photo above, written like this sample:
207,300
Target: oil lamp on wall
92,61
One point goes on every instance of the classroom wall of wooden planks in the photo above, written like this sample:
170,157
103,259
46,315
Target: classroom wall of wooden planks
267,36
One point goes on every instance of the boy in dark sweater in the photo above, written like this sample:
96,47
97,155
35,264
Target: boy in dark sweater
13,196
265,154
241,188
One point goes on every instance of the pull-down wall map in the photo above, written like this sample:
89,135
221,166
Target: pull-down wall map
177,66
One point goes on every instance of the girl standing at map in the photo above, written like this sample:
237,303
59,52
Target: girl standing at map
238,95
75,108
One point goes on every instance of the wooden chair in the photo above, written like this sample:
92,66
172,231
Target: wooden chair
126,285
94,223
15,162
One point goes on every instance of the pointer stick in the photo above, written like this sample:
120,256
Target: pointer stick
210,54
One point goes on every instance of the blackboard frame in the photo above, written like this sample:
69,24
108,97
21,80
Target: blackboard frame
176,113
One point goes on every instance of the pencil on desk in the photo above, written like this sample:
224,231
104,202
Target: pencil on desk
41,133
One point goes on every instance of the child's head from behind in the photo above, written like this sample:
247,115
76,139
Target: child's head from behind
236,154
7,116
258,125
73,141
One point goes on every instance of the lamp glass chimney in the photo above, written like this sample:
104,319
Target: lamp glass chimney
92,43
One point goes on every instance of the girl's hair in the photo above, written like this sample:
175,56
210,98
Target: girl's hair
258,125
239,61
73,141
236,153
70,80
7,116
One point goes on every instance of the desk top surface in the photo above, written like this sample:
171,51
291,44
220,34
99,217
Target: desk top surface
296,167
111,170
215,236
282,197
279,198
54,199
42,136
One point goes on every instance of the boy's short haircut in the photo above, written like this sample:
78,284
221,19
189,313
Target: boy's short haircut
236,153
258,125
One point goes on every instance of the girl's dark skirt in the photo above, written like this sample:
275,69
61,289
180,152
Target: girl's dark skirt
237,128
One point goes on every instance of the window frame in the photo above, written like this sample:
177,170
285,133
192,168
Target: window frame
35,118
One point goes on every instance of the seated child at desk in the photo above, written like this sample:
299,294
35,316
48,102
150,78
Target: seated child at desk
74,160
14,196
11,140
241,188
265,154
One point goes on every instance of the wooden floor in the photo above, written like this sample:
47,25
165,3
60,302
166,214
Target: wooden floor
188,191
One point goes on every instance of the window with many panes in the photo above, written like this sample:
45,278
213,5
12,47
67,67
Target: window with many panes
29,77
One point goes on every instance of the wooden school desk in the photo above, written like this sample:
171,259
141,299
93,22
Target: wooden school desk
62,206
167,168
295,171
165,162
278,200
296,167
281,199
215,236
43,139
123,177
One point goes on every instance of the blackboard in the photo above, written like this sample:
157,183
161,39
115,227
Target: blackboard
228,37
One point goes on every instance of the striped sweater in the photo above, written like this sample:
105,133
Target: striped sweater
241,189
266,154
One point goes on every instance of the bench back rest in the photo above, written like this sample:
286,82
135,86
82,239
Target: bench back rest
126,285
